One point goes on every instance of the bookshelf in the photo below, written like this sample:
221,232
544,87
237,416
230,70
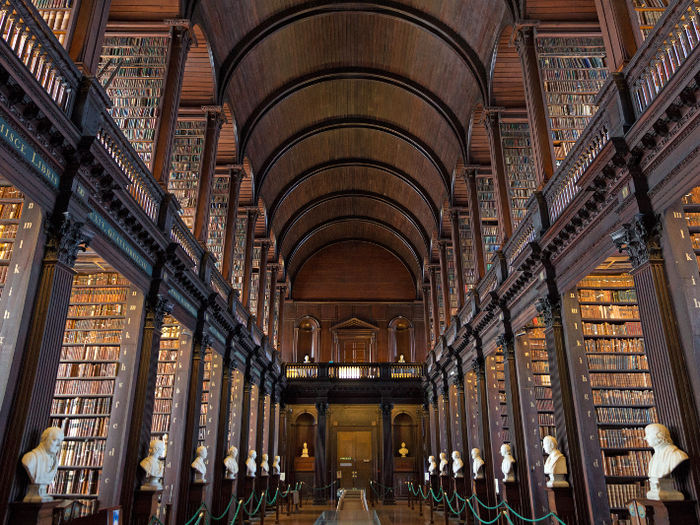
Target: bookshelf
542,380
275,305
502,403
254,281
165,380
204,409
58,15
438,290
648,13
236,402
84,392
217,218
11,205
132,71
188,145
573,70
619,377
451,280
691,207
266,304
520,168
468,263
489,216
239,254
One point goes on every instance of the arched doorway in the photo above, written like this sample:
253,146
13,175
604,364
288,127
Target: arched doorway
307,337
401,340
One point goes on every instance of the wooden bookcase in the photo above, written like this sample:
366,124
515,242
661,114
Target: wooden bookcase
438,291
58,15
573,69
520,168
165,380
502,406
451,279
239,254
275,305
217,218
188,146
89,401
647,14
541,379
266,305
132,70
691,207
204,409
11,206
254,282
489,216
468,263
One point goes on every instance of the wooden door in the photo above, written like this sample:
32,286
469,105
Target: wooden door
354,459
355,352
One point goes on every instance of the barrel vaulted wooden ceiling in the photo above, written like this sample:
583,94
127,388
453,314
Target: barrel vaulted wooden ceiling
355,116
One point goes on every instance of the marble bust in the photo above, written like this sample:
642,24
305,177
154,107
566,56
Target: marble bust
403,450
306,359
41,465
402,359
153,465
443,464
250,466
555,465
507,464
276,465
431,465
477,464
457,464
666,458
231,463
200,468
305,451
264,466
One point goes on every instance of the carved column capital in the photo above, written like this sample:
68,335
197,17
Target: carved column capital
265,245
505,341
641,238
524,34
159,309
253,213
386,408
66,239
322,408
432,269
237,173
550,310
478,366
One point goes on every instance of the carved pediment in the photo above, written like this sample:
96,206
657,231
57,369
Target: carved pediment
354,324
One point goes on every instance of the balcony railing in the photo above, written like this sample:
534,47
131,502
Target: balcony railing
354,370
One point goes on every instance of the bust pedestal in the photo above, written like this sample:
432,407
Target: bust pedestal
663,489
228,490
647,511
197,494
460,487
561,502
32,513
145,505
273,483
510,493
248,487
480,488
435,485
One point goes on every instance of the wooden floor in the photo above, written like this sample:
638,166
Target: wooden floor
389,514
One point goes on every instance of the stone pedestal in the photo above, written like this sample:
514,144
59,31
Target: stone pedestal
648,512
32,513
480,488
510,492
145,506
228,491
561,502
196,496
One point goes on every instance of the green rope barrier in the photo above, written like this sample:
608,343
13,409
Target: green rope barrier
372,484
155,521
442,495
225,512
326,487
196,515
480,520
473,496
502,503
458,513
273,499
238,509
262,497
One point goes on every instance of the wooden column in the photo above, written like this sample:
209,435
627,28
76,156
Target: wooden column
425,288
484,433
457,256
88,33
252,218
434,299
320,479
388,453
445,394
139,437
31,404
436,424
475,223
263,392
179,48
524,38
237,174
492,122
262,281
445,288
462,417
428,446
274,270
619,34
564,406
212,128
191,422
673,393
219,471
515,421
280,316
272,425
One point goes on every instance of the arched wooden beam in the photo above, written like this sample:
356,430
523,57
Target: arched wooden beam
311,205
344,123
353,162
354,73
368,241
353,218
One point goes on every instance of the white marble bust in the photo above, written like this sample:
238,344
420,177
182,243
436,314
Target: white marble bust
41,464
250,466
431,465
402,359
666,458
276,465
443,464
477,464
200,468
264,466
555,465
153,466
403,450
305,451
457,464
231,463
507,464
